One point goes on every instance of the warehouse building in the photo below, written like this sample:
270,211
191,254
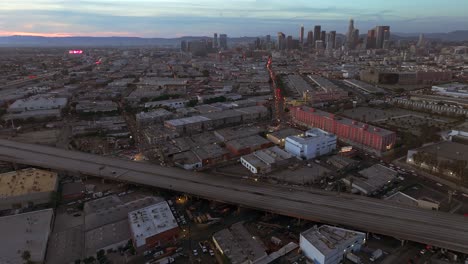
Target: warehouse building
25,232
447,158
266,160
96,107
315,143
238,245
106,222
214,120
329,245
360,135
152,117
36,104
244,146
153,226
372,179
452,89
26,188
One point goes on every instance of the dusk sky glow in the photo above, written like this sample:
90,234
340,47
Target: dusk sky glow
175,18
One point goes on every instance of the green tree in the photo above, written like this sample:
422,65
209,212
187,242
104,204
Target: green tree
26,256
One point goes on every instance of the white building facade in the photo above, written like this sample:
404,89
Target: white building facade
315,143
329,244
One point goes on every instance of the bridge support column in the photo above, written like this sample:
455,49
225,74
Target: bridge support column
403,242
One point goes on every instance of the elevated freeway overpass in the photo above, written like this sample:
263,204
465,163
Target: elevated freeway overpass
404,222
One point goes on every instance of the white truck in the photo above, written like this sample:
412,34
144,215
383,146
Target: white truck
353,258
376,255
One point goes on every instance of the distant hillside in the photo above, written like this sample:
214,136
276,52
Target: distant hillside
454,36
32,41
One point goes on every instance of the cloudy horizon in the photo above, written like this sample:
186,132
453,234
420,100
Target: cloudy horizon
176,18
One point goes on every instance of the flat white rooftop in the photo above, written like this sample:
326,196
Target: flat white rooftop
150,221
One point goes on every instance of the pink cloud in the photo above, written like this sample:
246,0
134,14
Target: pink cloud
62,34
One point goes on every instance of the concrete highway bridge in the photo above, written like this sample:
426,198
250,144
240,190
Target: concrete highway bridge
404,222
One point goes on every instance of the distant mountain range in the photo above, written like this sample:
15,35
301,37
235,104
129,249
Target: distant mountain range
33,41
454,36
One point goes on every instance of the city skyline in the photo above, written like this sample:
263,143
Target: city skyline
158,18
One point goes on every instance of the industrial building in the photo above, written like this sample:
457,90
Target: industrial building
451,89
329,245
153,226
172,103
96,107
230,133
372,179
447,158
244,146
36,104
201,156
152,117
106,222
210,121
36,107
26,188
279,137
451,106
405,78
416,198
265,160
364,87
361,135
25,232
238,245
314,143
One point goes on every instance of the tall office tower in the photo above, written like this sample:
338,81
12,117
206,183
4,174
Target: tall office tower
350,35
421,40
331,40
289,43
268,38
223,41
215,41
301,38
382,34
183,46
281,41
371,39
323,37
317,32
355,37
310,38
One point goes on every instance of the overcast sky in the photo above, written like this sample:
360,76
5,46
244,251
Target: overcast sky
173,18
